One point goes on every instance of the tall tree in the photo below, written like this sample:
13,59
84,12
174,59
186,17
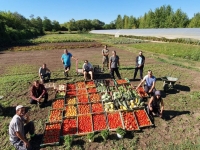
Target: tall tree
119,22
47,24
195,21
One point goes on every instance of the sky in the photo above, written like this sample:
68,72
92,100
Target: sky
103,10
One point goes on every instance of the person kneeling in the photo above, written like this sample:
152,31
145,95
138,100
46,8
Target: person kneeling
87,69
38,91
155,106
44,73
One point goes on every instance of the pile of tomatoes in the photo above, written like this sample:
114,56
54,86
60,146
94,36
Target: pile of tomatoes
52,133
81,91
84,108
129,121
142,118
71,86
80,85
90,84
84,124
114,120
69,126
97,107
71,93
92,90
94,97
55,115
58,104
99,122
141,92
121,81
82,98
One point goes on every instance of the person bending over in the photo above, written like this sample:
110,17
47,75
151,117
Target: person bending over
149,85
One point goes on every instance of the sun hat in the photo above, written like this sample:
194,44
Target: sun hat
19,106
157,93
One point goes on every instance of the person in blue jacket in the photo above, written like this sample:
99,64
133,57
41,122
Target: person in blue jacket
66,60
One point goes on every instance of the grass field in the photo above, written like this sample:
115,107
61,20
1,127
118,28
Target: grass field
178,130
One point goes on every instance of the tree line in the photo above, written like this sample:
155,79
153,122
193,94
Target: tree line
14,26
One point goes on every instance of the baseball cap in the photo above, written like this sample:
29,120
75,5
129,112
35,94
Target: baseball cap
157,93
19,106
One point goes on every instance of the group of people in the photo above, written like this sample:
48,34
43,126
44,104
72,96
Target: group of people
17,129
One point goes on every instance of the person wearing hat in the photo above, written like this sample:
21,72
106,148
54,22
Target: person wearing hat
38,91
18,131
156,106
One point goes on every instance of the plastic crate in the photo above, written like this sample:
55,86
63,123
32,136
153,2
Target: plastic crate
51,134
86,122
144,114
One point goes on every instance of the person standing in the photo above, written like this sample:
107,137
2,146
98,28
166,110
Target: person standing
18,131
87,69
114,64
66,60
140,60
38,91
150,82
44,72
105,53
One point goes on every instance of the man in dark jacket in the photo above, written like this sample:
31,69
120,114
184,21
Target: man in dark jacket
140,60
38,91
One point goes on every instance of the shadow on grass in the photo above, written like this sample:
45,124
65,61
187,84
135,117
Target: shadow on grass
131,68
79,142
35,143
170,114
10,111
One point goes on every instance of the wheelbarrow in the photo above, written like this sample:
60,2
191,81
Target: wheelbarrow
168,83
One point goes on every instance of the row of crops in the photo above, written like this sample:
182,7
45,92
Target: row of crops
81,108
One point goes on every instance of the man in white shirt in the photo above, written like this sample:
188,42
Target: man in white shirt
140,60
87,69
18,131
